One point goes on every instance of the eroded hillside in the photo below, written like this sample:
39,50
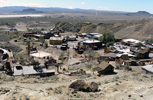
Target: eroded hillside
140,29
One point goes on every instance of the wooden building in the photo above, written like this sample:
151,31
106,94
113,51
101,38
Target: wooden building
56,40
104,68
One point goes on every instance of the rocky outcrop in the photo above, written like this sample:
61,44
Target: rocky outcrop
87,27
63,26
79,27
81,85
93,86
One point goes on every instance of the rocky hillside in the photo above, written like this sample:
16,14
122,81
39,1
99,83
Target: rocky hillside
90,27
140,29
143,30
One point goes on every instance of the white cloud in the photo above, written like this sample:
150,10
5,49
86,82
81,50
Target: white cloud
103,8
4,3
82,3
70,7
9,3
29,5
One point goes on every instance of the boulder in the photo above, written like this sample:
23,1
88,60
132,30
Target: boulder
93,87
79,85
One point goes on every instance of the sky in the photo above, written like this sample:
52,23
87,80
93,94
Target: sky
110,5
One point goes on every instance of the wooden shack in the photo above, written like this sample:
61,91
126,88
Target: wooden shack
104,68
56,40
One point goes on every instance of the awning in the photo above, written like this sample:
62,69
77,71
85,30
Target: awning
40,54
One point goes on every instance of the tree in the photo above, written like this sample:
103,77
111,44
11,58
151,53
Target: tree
42,40
28,48
45,45
101,38
42,29
150,40
107,38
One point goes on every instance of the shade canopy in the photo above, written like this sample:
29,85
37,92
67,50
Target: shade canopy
40,54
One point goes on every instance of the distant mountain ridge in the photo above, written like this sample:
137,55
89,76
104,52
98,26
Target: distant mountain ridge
14,9
29,10
139,13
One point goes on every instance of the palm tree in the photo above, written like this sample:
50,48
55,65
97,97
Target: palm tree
28,48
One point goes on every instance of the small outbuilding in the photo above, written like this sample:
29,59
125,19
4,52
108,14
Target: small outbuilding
104,68
30,70
109,56
56,40
40,54
148,69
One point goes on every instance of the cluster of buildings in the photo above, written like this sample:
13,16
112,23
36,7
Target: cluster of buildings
123,52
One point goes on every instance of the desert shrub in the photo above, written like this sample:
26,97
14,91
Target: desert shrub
45,45
22,60
89,66
118,66
150,40
115,90
35,81
4,38
42,40
58,90
10,46
110,43
140,79
84,76
99,83
10,79
54,79
27,98
90,54
144,76
116,79
135,74
106,82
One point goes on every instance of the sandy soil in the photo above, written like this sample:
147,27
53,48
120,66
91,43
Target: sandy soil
24,15
120,86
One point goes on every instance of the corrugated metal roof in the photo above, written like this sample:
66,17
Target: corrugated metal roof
149,46
148,68
29,70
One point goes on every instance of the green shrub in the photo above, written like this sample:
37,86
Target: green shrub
89,66
45,45
10,79
99,83
150,40
54,79
107,38
58,90
12,47
135,74
144,76
106,82
115,90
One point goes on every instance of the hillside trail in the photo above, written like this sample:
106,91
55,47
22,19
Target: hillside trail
23,47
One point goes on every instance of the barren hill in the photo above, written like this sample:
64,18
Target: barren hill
90,27
143,30
140,29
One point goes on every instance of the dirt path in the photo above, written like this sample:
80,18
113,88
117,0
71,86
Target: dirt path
21,46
